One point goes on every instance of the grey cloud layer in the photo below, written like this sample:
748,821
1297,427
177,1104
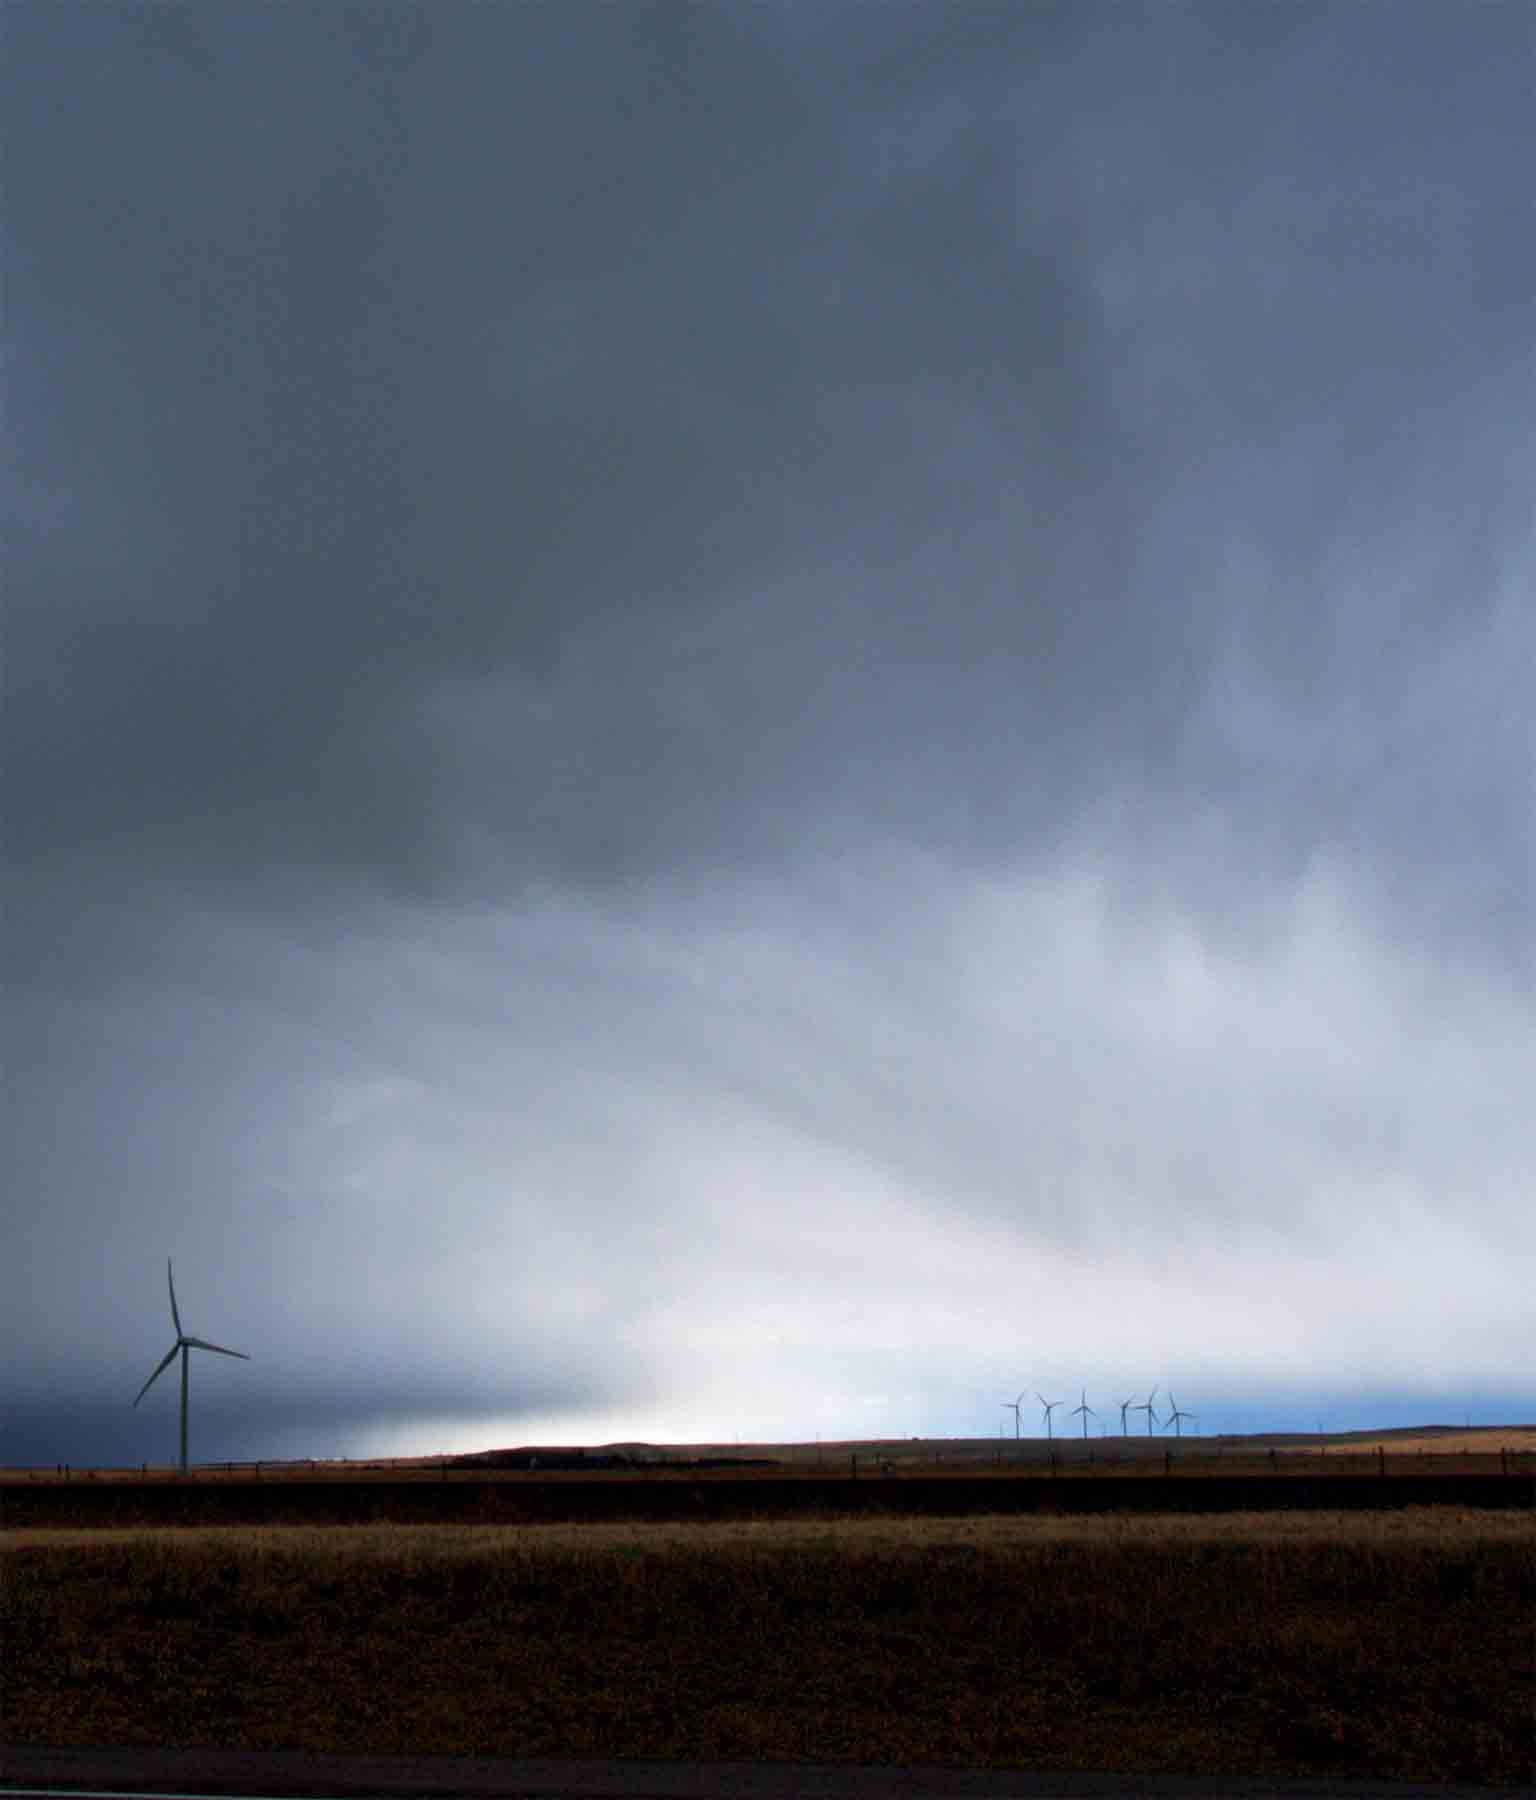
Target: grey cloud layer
499,491
599,438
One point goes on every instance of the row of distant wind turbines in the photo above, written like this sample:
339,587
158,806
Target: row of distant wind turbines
1175,1416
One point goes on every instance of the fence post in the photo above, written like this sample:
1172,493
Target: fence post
1381,1459
855,1462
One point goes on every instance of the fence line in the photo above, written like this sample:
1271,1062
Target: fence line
1191,1457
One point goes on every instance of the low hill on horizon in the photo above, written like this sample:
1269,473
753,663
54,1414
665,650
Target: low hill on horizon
1474,1439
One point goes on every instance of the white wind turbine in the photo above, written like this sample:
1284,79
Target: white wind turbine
1146,1407
1049,1406
183,1344
1085,1409
1013,1406
1125,1407
1175,1416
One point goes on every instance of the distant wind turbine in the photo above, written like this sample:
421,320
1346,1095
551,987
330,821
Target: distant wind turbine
1050,1407
183,1344
1014,1407
1146,1407
1175,1416
1085,1409
1125,1407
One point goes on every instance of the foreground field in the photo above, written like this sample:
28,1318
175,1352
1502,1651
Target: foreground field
1393,1644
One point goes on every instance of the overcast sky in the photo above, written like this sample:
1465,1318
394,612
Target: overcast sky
765,719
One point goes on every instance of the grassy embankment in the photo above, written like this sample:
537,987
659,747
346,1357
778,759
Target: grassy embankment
1395,1644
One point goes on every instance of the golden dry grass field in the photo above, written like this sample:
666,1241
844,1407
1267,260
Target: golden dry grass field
1388,1644
1431,1450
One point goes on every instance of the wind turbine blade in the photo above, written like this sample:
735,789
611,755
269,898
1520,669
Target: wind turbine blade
170,1281
203,1344
164,1364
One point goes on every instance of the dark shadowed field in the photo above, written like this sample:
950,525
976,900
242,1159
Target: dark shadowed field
933,1614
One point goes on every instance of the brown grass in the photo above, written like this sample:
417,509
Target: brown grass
1434,1450
1394,1644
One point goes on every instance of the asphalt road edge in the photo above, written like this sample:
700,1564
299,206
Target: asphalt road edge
284,1773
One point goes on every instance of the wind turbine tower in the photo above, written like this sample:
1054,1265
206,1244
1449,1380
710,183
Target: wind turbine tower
1014,1406
1125,1407
1050,1407
1085,1409
1175,1416
1146,1407
184,1344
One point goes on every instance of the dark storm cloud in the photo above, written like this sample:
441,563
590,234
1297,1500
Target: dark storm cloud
592,437
422,365
558,348
569,564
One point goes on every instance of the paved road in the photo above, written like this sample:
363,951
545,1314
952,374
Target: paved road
29,1773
